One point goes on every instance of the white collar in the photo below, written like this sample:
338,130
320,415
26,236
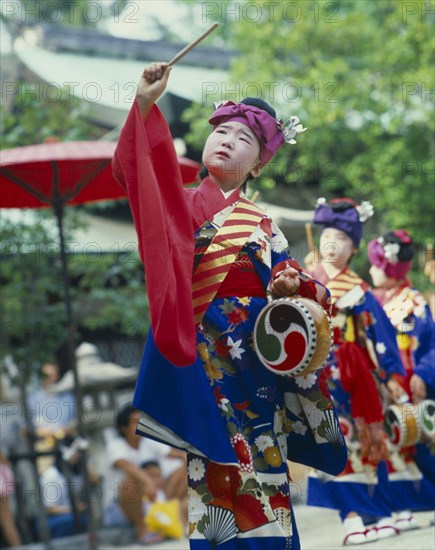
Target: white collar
226,194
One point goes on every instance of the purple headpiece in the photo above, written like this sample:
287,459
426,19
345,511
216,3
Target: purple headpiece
393,253
271,133
343,214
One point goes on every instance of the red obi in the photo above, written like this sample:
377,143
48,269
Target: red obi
242,280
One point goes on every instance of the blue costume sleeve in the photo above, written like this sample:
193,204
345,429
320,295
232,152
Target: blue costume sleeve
424,355
383,337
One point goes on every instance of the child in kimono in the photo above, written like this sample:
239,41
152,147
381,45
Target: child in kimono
212,258
364,365
411,488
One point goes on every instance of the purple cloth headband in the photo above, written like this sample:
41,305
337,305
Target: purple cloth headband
350,220
266,128
384,255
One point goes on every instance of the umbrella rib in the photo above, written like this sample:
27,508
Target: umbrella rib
82,183
26,186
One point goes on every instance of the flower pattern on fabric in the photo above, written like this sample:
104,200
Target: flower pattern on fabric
381,347
263,442
306,381
235,348
196,469
299,428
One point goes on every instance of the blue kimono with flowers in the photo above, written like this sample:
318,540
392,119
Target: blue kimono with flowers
411,487
364,340
238,421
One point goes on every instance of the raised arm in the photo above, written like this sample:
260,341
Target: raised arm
151,86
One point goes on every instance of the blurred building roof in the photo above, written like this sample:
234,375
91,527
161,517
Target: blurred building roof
59,38
103,70
108,85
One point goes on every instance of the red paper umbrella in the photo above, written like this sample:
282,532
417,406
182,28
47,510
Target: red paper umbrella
66,172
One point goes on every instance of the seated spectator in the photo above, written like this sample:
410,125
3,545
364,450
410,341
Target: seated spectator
153,469
128,485
63,482
53,415
7,488
163,516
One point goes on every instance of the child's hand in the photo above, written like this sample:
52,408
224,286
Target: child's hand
286,283
396,391
418,388
151,85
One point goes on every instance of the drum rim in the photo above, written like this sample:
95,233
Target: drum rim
424,429
403,426
310,349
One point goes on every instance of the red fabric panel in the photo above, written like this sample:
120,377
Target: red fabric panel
357,379
238,279
146,163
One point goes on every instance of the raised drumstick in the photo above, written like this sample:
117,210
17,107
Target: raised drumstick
255,196
309,235
190,46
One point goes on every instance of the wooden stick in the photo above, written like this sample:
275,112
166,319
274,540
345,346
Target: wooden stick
255,196
309,235
429,252
190,46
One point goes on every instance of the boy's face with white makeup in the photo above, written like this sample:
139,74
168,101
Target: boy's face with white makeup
231,153
336,247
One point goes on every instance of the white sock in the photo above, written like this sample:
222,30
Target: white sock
354,525
385,522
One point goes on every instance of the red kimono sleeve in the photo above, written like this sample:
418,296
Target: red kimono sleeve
146,165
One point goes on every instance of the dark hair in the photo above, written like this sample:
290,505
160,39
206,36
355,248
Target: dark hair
341,206
255,102
406,251
260,104
123,418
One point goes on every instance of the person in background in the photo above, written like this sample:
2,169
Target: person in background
168,517
154,471
53,415
128,485
363,366
62,483
391,256
7,489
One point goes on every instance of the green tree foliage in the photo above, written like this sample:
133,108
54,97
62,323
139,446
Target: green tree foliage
35,118
359,74
107,290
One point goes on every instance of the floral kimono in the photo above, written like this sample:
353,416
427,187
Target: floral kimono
238,421
364,357
409,313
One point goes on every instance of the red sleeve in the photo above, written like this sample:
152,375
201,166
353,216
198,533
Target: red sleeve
146,164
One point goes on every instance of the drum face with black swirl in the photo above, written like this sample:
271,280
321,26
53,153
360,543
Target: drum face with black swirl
292,336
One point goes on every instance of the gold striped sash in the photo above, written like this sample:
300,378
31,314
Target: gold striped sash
221,253
343,283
